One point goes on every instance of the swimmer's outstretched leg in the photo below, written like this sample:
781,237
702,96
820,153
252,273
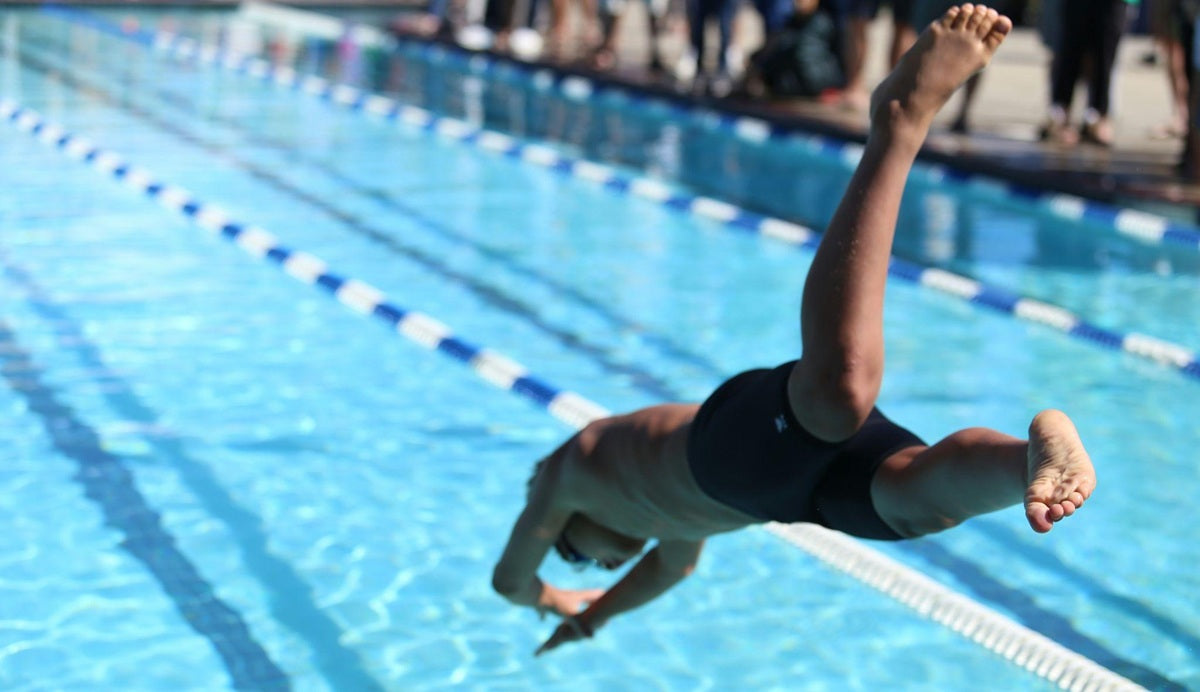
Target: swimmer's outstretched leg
926,489
835,384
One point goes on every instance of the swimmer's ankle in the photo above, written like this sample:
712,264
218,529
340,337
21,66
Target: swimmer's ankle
898,131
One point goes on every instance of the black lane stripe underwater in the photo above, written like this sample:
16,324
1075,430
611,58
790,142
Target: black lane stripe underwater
108,483
290,598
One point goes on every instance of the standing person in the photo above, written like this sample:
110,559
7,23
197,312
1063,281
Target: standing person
775,14
699,13
562,42
1189,17
857,18
1087,30
1172,33
611,12
802,441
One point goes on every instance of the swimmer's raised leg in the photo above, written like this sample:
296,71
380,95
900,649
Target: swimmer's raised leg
834,386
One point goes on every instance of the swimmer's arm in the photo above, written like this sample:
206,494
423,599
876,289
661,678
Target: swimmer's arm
541,522
663,567
660,569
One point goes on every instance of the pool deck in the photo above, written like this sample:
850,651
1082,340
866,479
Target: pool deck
1140,169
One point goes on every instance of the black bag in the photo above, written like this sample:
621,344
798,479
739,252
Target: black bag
803,58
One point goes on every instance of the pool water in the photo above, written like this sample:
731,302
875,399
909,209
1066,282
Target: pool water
219,477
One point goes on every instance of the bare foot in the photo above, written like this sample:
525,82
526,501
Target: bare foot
953,48
1061,476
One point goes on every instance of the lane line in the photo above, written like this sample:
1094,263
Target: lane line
290,600
108,483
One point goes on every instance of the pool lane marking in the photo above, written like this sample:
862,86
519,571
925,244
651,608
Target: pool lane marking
1013,641
291,600
1026,648
1001,300
108,483
1142,226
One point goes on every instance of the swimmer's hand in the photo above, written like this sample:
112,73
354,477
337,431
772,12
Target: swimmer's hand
565,602
570,604
572,629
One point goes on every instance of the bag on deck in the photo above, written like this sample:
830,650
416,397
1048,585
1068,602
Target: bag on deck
803,58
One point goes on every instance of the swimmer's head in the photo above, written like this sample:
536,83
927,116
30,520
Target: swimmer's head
584,543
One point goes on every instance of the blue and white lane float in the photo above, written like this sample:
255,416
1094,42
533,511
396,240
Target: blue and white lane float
1143,226
358,296
1027,309
1018,644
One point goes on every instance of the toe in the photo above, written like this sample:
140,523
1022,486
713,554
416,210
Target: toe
1000,29
987,22
1036,514
975,18
960,19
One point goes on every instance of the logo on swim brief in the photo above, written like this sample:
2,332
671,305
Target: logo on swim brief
780,423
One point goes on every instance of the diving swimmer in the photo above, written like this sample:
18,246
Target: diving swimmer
803,441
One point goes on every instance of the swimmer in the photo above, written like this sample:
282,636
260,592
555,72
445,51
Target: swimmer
801,442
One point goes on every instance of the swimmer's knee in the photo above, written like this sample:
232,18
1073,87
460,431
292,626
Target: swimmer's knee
912,517
833,404
903,501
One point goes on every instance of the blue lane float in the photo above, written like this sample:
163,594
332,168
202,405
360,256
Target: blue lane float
358,296
1144,226
1016,643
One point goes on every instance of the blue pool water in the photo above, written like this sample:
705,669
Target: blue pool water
219,477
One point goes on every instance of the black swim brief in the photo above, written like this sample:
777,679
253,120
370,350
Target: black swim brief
747,450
